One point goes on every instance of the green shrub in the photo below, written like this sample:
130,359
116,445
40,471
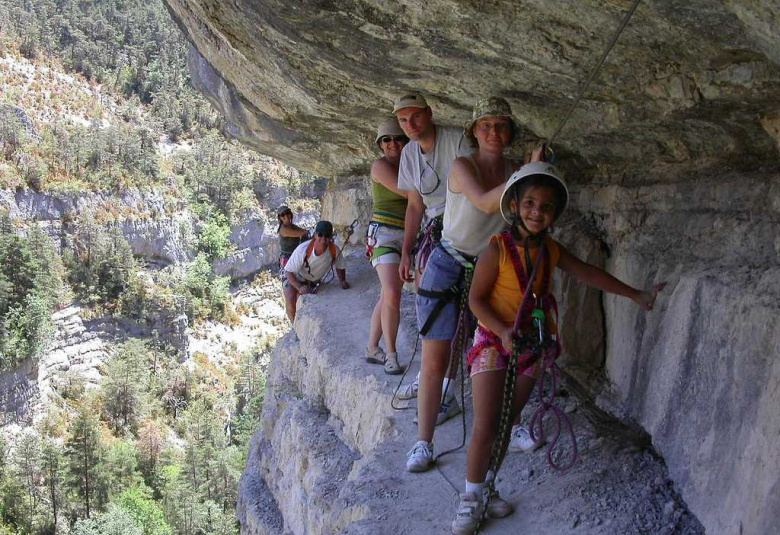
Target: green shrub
30,287
214,236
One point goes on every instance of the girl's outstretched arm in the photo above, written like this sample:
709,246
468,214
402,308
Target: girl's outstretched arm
485,275
595,276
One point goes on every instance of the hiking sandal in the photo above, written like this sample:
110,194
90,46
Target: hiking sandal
391,364
376,355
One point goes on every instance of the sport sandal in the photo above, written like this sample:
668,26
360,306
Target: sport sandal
391,364
375,355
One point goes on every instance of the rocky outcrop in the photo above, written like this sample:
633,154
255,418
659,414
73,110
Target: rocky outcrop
687,81
78,352
256,244
346,200
330,450
158,229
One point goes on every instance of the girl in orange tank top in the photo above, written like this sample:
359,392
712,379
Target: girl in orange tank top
533,199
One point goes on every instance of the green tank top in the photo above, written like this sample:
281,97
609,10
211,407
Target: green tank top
389,207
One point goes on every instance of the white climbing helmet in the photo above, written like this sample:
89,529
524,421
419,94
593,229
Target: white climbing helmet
524,173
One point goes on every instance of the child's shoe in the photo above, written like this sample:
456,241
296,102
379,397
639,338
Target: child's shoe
447,410
420,458
409,391
469,514
521,441
497,507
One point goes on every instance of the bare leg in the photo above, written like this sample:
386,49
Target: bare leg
435,356
391,303
290,302
375,331
487,394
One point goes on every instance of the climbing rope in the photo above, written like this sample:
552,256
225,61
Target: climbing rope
459,342
593,72
496,455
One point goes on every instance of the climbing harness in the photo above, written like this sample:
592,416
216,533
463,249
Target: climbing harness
427,240
371,241
372,246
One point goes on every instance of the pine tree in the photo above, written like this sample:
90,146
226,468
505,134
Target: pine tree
82,449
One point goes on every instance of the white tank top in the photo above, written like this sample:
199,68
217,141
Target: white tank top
467,228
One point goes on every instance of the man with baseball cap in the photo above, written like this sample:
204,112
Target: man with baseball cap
423,172
309,263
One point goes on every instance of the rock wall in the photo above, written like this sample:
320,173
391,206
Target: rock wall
700,371
348,199
158,230
307,82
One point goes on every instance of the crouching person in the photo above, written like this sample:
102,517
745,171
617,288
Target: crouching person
309,263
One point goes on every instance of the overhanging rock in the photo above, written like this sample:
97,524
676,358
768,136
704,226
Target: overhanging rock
307,81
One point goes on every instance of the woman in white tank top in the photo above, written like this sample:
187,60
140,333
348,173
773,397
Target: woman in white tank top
471,216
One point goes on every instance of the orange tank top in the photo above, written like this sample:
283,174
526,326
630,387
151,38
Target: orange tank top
507,295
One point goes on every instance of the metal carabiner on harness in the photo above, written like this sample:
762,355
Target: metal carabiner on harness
537,320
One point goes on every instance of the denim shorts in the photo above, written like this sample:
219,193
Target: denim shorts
441,273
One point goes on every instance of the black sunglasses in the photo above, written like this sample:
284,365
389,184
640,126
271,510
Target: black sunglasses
422,176
323,235
388,139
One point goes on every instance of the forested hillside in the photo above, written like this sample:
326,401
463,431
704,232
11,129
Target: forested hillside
96,105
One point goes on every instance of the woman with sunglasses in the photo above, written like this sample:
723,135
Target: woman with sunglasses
290,234
384,242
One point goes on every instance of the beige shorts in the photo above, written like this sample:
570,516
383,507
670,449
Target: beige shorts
386,243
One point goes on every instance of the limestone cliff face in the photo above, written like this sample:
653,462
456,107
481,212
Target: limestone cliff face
306,81
672,158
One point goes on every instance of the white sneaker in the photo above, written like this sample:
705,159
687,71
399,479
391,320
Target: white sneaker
521,441
497,507
420,458
469,515
447,410
408,391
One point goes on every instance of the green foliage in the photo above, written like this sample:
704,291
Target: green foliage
30,286
206,293
131,45
220,173
53,467
117,471
123,384
214,236
100,263
146,513
82,451
115,521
